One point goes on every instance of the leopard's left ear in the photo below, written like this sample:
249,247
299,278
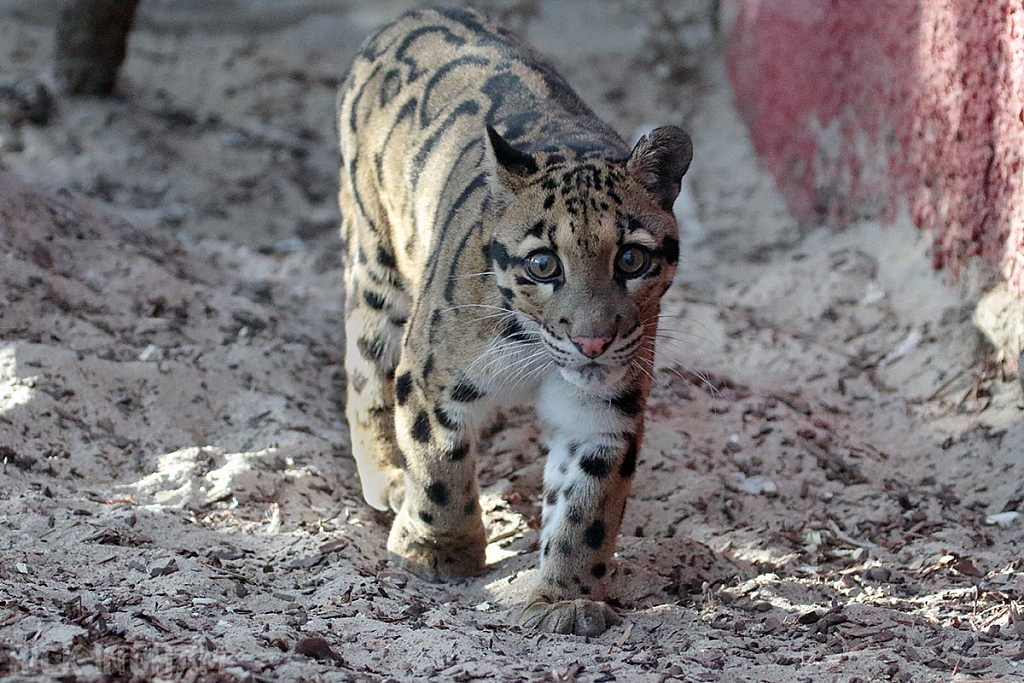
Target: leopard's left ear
512,168
659,161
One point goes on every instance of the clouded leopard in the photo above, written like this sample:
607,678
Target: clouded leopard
503,245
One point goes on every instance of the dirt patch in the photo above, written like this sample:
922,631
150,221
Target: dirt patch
830,489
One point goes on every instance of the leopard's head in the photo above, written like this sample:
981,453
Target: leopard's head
584,250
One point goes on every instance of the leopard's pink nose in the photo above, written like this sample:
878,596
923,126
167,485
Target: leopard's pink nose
591,347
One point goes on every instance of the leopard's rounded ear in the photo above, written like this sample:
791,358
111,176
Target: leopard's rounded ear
659,161
511,168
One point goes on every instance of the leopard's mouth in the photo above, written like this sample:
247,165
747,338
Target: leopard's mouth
592,375
593,372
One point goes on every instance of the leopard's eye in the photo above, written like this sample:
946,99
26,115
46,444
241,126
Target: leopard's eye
543,265
632,260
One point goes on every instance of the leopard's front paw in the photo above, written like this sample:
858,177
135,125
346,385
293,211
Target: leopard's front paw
580,617
436,557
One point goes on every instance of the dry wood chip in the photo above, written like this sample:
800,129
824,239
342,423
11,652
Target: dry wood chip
794,401
319,649
163,567
332,546
625,635
976,664
884,636
808,617
153,621
966,567
307,562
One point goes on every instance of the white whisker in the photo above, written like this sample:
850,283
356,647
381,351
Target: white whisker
500,351
496,308
638,363
469,275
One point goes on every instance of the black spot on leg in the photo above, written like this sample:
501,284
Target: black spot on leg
469,508
386,258
593,537
628,465
595,466
426,517
374,300
358,381
629,402
459,452
598,570
421,427
428,367
444,419
437,493
464,392
403,387
371,348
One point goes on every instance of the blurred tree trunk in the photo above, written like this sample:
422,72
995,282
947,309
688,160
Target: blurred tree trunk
91,40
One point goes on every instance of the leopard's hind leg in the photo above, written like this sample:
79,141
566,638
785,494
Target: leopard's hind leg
376,309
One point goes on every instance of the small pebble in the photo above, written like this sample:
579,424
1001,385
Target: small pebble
809,617
879,574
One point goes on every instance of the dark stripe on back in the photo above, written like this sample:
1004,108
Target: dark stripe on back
465,108
390,88
444,70
416,34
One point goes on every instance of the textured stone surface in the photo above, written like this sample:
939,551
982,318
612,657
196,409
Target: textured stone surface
860,106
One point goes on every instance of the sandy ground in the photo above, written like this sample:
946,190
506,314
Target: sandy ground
833,471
